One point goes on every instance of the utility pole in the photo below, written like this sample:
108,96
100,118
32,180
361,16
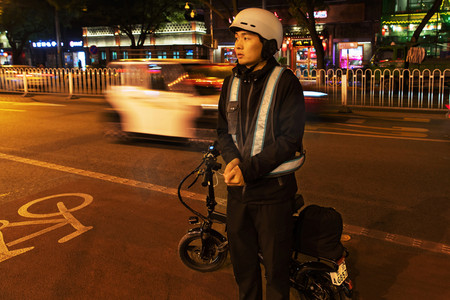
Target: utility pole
211,51
58,40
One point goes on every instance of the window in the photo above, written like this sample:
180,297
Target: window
413,5
149,54
189,53
103,55
114,55
176,54
162,54
384,55
125,54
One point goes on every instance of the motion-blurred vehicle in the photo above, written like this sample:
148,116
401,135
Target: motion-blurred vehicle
170,99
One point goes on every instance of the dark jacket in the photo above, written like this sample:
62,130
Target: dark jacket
288,127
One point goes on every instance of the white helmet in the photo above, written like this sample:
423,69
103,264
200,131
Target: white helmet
260,21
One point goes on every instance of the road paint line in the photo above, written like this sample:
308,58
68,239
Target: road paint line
31,103
396,137
398,239
413,129
37,104
420,120
349,229
10,109
356,121
401,133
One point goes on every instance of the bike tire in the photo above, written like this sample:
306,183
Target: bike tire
189,249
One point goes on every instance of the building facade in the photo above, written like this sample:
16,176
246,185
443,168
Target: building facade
400,19
173,40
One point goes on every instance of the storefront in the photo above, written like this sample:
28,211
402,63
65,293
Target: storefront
75,55
227,54
303,56
5,57
351,55
43,54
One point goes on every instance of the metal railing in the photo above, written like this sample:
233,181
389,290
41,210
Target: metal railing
412,89
57,81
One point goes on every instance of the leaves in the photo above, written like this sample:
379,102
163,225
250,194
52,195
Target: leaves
131,16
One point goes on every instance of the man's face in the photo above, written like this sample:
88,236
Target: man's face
248,48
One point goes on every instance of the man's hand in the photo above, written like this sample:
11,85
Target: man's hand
233,174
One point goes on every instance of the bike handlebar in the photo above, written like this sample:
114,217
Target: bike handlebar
210,161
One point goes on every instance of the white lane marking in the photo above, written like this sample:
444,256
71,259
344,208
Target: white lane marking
10,109
31,103
350,229
395,137
38,104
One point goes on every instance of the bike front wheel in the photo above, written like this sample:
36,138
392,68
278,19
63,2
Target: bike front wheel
208,260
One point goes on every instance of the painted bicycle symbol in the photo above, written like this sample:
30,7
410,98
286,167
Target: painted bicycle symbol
65,218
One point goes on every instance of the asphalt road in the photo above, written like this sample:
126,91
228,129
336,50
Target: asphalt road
387,173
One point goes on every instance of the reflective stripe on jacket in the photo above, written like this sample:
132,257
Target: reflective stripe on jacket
262,123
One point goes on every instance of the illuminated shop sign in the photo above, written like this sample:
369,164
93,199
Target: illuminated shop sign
52,44
76,43
48,44
321,14
302,43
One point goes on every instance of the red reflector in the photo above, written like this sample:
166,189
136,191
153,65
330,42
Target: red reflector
341,260
350,284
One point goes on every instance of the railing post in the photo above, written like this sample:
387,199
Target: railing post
71,96
25,84
344,86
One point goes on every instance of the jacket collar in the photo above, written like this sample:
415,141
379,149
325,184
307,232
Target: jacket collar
246,74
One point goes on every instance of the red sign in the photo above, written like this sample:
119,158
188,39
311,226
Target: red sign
93,49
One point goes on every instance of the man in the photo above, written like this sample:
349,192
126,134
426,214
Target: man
260,129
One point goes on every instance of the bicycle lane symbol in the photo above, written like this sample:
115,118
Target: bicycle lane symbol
63,211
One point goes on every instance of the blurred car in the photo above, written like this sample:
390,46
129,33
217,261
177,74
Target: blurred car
315,102
12,77
168,99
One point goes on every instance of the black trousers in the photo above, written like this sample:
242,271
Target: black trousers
260,227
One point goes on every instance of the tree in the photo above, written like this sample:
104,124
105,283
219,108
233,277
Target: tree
434,8
303,11
130,17
70,8
20,20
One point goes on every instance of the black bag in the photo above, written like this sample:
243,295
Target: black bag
318,232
